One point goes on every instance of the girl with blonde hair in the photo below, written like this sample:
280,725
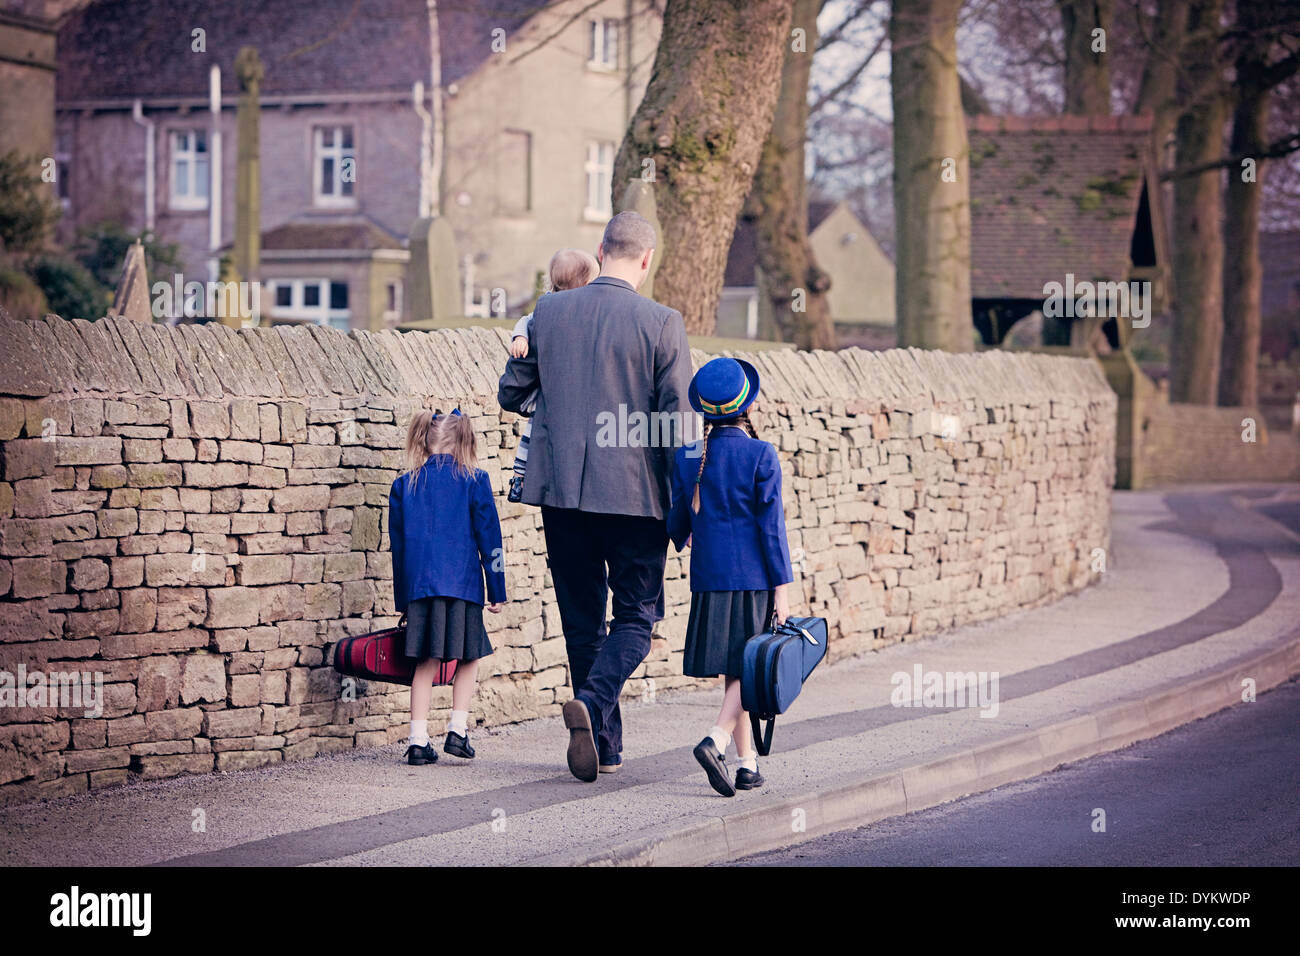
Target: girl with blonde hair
446,541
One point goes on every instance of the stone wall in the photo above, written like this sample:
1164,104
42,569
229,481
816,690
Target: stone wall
197,515
1182,443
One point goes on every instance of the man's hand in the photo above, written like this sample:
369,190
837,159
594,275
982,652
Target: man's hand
519,346
494,608
782,602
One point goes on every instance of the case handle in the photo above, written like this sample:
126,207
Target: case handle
791,629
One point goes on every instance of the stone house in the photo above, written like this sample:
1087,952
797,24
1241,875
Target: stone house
27,79
535,99
862,280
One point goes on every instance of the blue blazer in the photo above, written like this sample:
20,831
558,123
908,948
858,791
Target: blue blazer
739,541
445,536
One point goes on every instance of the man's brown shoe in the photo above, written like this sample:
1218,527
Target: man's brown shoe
583,762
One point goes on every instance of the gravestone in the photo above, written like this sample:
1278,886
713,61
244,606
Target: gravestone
131,299
248,173
434,277
639,197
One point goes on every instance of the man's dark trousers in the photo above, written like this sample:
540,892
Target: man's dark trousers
591,555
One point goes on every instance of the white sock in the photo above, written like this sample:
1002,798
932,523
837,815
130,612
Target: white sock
459,723
720,739
419,733
750,763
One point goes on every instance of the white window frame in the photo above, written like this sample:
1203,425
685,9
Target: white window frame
395,314
184,195
599,173
63,170
527,171
297,308
602,44
337,152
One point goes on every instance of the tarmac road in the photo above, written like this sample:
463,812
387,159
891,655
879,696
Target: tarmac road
1222,791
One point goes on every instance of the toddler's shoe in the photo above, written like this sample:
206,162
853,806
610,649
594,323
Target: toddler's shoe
458,745
516,492
419,756
747,779
714,764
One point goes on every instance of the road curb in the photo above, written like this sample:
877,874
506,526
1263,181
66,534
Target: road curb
972,770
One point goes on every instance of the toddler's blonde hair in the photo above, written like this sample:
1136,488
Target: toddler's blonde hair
571,268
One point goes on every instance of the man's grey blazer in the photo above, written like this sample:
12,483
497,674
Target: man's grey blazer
613,369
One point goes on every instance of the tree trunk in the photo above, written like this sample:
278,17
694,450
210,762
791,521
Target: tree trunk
702,122
1198,242
1239,382
778,203
1158,90
1087,71
931,178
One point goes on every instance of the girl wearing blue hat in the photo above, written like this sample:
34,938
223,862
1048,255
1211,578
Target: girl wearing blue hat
726,504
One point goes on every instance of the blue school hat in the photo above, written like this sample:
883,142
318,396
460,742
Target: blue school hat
723,388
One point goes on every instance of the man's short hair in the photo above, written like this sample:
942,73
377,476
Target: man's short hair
628,235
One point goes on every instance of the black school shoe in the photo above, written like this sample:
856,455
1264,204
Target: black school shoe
458,745
516,492
747,779
419,756
714,764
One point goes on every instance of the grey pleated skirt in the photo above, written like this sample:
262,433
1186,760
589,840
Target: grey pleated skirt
446,628
720,624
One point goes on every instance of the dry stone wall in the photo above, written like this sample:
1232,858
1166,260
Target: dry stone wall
1187,443
195,515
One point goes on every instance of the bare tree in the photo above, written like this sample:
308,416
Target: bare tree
699,131
1158,91
1257,26
1087,66
1197,240
931,178
778,202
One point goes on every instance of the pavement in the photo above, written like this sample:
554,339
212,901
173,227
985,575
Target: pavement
1201,594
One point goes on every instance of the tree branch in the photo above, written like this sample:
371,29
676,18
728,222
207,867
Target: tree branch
836,33
1283,147
558,30
852,78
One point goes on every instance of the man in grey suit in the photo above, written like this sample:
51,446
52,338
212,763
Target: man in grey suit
612,369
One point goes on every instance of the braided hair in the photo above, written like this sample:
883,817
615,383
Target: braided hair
740,420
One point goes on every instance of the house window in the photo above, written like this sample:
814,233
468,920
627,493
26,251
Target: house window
63,168
514,174
602,46
189,186
321,301
600,172
334,169
393,301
